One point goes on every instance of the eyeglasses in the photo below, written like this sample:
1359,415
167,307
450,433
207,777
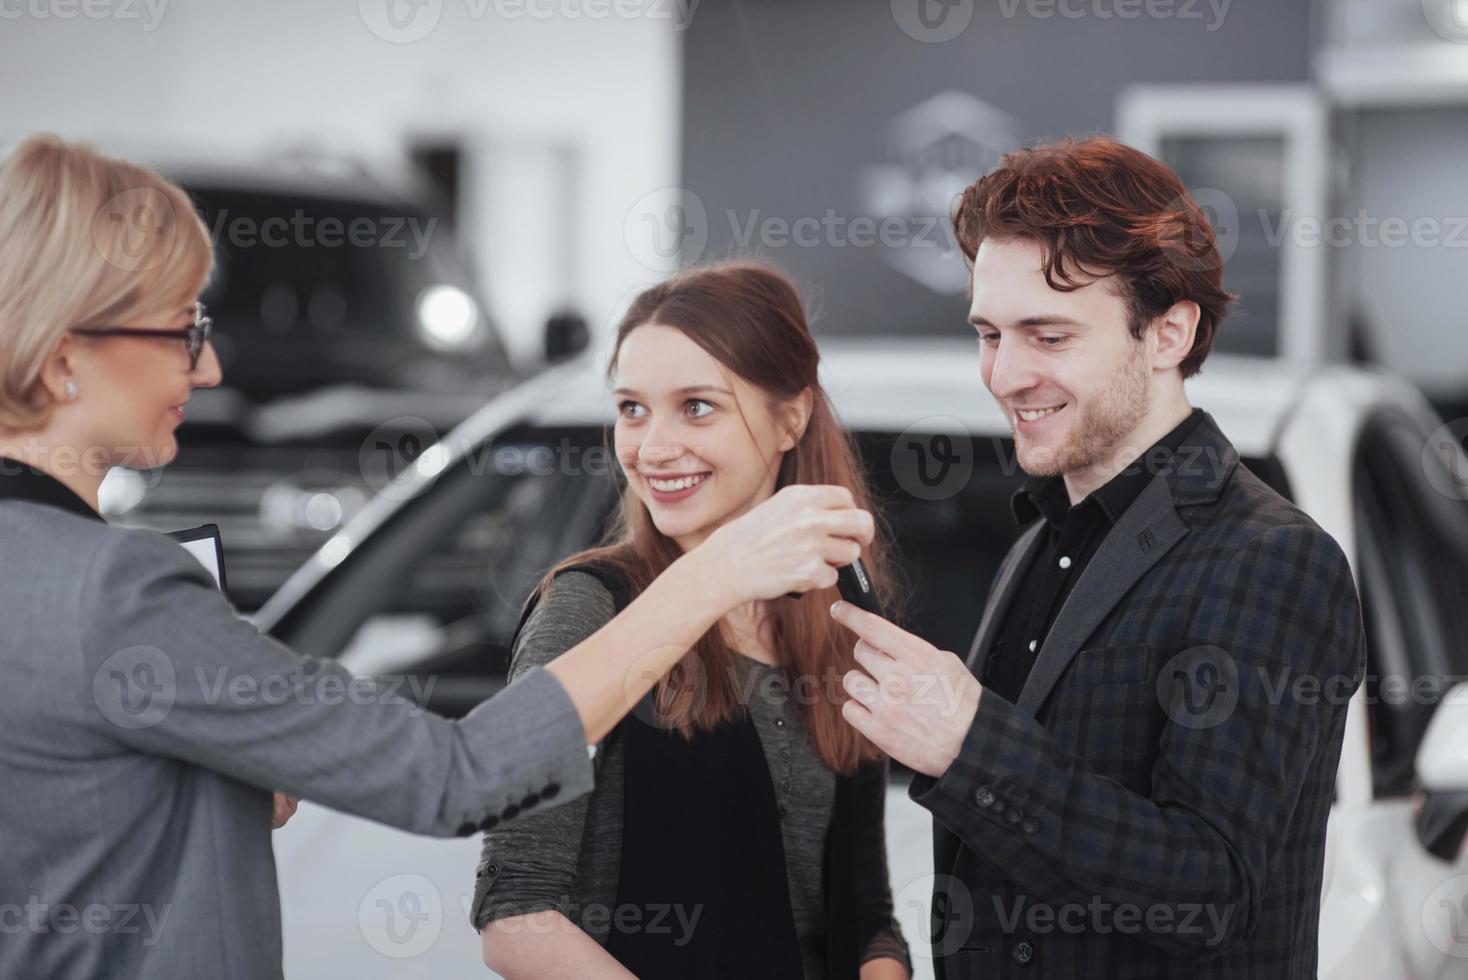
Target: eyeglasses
194,336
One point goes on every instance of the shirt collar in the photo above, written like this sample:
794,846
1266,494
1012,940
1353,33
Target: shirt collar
21,481
1046,496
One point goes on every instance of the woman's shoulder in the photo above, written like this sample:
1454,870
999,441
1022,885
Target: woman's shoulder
576,604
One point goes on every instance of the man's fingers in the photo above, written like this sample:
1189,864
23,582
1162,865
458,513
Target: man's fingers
860,687
858,717
876,662
880,633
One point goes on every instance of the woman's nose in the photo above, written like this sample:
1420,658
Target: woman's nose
207,373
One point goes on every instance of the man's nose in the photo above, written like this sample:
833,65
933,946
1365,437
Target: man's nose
1011,370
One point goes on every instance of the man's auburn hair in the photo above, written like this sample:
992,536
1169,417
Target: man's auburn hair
1098,207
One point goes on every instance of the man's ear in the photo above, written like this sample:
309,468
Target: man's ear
1175,329
797,417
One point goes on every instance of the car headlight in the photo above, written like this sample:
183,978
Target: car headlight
448,317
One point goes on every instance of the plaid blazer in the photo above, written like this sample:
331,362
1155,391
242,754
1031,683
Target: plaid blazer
1155,804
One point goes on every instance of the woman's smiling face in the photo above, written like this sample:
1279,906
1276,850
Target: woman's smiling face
698,444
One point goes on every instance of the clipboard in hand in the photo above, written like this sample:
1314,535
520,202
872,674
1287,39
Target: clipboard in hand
204,543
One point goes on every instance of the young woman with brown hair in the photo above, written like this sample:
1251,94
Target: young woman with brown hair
736,825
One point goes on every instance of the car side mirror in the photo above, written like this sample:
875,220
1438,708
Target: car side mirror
1442,769
565,335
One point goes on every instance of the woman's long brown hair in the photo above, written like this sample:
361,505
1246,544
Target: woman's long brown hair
749,316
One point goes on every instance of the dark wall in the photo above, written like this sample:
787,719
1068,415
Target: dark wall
796,109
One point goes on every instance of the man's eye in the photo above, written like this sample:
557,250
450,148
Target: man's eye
988,338
693,403
1052,341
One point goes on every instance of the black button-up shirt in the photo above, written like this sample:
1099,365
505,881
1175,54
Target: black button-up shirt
1071,536
21,481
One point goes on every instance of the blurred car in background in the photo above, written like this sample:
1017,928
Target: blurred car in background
426,583
350,334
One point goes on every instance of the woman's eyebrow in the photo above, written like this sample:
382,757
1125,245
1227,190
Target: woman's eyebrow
685,390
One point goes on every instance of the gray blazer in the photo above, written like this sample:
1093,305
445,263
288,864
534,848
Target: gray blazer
143,726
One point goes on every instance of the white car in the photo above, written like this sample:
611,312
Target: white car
426,583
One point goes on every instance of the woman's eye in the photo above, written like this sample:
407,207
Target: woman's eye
629,409
694,403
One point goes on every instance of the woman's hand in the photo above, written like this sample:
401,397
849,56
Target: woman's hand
792,542
285,808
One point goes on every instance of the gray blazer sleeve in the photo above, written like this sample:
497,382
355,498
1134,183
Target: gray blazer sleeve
530,865
175,672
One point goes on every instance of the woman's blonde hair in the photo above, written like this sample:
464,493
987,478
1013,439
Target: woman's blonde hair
85,240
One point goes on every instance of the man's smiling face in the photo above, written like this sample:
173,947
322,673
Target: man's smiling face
1063,366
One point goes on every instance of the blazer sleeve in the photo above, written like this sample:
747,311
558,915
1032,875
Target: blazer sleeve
530,865
175,672
1205,836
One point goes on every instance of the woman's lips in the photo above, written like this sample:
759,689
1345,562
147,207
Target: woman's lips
673,496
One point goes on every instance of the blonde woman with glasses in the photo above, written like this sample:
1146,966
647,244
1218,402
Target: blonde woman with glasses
136,806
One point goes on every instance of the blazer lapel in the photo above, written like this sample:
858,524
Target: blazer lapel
1146,532
1002,597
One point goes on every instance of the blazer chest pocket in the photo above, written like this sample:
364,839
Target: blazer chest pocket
1108,665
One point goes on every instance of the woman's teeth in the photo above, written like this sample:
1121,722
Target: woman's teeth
1031,415
683,483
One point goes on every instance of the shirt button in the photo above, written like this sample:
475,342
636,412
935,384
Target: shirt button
779,722
1064,561
1033,644
1023,952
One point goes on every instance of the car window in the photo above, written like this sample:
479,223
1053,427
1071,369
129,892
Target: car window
1413,578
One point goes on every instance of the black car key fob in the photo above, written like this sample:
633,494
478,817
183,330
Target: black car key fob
856,587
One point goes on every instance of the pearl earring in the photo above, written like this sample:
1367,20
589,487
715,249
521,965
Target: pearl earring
70,388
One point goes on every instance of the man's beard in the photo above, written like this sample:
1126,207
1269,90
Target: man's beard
1102,422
